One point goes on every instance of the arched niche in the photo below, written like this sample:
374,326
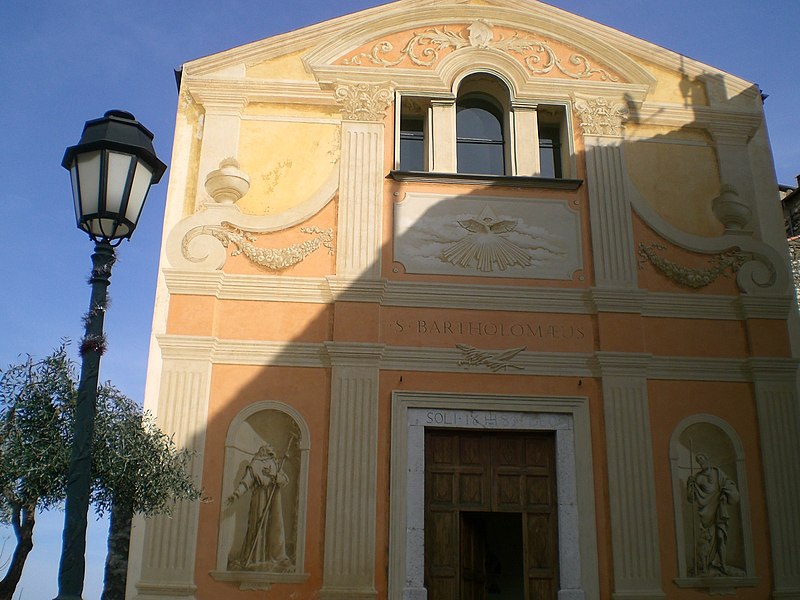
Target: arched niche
264,498
712,511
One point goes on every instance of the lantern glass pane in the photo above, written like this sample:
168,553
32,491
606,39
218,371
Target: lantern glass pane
76,198
139,189
118,167
107,228
89,171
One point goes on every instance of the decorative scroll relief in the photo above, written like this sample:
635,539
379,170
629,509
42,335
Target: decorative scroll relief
274,259
753,271
600,116
497,360
711,506
363,101
487,237
426,48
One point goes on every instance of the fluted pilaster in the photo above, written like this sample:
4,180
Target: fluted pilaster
360,179
170,541
631,479
349,562
610,213
778,407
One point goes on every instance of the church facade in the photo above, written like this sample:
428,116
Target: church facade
473,300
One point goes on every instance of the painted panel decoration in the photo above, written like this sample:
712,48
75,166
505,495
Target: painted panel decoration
711,507
487,237
426,48
264,491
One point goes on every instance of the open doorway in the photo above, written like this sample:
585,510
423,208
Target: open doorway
492,556
491,528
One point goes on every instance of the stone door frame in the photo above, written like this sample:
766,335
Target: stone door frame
568,417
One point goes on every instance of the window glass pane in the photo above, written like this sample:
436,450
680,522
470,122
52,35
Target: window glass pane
476,122
480,158
412,145
550,151
479,129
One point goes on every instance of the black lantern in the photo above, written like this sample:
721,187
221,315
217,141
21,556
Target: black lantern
112,169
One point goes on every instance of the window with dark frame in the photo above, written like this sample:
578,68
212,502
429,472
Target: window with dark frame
480,143
550,151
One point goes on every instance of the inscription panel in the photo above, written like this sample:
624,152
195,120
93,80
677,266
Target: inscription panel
436,328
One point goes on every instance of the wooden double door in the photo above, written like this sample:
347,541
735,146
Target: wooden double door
491,530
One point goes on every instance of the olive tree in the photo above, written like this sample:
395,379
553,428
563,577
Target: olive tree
36,403
136,468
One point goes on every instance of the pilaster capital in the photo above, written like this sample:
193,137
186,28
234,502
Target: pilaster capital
355,354
618,299
216,102
731,132
363,101
602,116
524,105
443,101
773,369
623,364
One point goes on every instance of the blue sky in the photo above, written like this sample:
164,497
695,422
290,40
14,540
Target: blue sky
66,62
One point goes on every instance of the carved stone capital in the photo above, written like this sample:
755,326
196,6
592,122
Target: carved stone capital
363,101
601,116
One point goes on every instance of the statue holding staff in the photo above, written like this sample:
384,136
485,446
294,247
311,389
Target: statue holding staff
711,491
264,545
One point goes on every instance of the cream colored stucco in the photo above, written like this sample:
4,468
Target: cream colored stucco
288,67
680,181
287,163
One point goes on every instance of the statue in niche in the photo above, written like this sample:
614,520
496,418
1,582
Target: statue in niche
264,544
711,492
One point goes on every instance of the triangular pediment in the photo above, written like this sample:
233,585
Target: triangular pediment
417,38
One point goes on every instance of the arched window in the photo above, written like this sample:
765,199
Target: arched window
480,143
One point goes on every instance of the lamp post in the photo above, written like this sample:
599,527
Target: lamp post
112,169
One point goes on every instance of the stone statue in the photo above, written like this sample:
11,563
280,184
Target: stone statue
711,492
264,546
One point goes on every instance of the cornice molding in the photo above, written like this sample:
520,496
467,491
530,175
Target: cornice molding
259,90
736,123
696,368
319,290
773,369
450,360
691,306
765,307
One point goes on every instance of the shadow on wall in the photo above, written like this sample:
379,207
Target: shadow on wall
297,448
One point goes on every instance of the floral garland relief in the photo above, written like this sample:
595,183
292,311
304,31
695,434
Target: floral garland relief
273,259
722,265
424,49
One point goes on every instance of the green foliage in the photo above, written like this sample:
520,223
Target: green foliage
37,400
133,463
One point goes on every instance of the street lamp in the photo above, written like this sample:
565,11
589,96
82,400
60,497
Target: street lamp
112,169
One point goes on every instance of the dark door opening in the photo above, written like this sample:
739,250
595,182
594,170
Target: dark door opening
492,556
491,530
